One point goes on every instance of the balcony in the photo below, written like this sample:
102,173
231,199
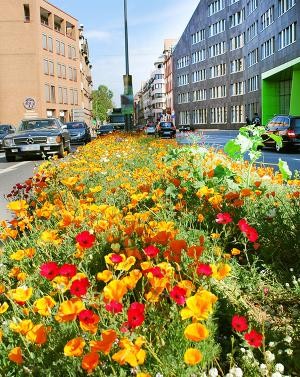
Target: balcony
45,17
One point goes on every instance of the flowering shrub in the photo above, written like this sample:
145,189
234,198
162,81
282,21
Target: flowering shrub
131,256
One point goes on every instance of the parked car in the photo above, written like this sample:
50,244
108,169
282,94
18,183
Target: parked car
150,129
105,129
166,129
79,132
45,136
186,128
286,126
5,129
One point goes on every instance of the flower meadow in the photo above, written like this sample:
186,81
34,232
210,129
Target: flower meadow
139,257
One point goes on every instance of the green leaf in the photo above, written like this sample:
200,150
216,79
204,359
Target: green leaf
244,142
284,169
276,138
220,171
233,149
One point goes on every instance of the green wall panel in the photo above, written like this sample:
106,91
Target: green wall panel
270,100
295,93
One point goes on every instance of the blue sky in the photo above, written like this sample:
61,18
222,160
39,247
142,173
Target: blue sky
149,23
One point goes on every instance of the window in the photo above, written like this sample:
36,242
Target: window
51,68
218,92
237,88
62,48
70,73
52,93
217,70
63,71
74,74
252,31
267,18
69,52
183,80
237,65
216,6
268,48
253,57
76,97
65,95
47,93
159,77
198,75
74,53
44,41
46,67
183,62
284,6
58,70
217,49
287,36
200,116
253,84
26,13
71,97
237,18
237,114
218,115
183,98
198,56
50,44
237,42
184,118
198,36
233,2
251,6
199,95
57,47
60,95
216,28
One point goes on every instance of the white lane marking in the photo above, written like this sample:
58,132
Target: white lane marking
13,167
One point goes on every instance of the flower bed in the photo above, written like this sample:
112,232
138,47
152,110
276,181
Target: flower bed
139,257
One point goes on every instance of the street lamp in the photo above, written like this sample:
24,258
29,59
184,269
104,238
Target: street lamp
127,97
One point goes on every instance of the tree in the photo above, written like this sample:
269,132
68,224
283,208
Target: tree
102,101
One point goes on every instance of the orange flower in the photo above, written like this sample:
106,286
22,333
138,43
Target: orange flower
192,356
195,251
196,332
43,305
15,355
115,290
131,280
69,310
235,251
220,271
37,335
4,307
199,306
19,207
22,327
105,276
21,294
104,345
130,353
246,192
90,361
74,347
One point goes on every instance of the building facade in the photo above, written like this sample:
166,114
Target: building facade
235,58
44,64
169,45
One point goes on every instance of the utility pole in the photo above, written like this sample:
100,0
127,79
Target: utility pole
127,97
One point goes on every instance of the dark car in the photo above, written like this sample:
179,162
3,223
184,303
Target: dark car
5,129
105,129
186,129
44,137
79,132
286,126
166,129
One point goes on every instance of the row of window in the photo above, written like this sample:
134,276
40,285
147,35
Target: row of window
218,115
64,96
61,71
286,37
47,44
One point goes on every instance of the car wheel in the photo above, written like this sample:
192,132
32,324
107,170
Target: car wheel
10,158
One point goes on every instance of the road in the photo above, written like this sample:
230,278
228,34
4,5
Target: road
14,172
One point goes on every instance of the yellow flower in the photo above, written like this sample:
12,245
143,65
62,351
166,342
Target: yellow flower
199,306
200,218
196,332
131,280
21,294
68,310
215,236
61,283
18,255
192,356
220,271
105,276
18,206
43,305
126,264
4,307
37,335
74,347
22,327
235,251
51,236
115,290
130,353
95,189
70,181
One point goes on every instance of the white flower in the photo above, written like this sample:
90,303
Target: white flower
229,375
287,339
291,269
213,372
243,350
263,369
279,368
289,351
159,375
269,356
236,372
272,344
276,374
287,285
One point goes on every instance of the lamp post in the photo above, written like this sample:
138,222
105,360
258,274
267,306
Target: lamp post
127,97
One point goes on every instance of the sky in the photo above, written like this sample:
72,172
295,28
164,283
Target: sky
149,23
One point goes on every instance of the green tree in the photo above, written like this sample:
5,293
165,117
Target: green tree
102,101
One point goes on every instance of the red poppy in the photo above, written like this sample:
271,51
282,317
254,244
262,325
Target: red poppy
79,287
248,230
223,218
239,323
178,295
253,338
156,272
116,258
204,269
135,314
86,316
85,239
243,225
114,307
151,251
49,270
68,270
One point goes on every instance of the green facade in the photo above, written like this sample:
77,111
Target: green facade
281,90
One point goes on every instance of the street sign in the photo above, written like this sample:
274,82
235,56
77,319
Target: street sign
29,103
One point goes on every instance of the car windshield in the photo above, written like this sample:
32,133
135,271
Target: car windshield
166,124
3,129
107,127
36,124
75,125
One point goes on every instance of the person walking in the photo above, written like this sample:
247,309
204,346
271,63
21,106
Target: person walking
256,120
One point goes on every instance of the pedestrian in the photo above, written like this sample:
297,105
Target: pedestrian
256,120
248,121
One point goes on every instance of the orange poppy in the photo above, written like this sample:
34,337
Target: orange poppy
15,355
90,361
192,356
74,347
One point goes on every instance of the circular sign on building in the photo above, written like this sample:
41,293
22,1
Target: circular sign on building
29,103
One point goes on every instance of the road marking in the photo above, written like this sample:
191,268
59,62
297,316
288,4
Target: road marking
14,166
